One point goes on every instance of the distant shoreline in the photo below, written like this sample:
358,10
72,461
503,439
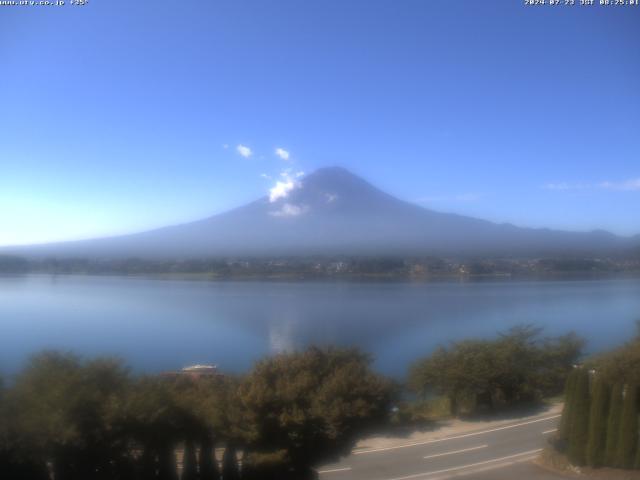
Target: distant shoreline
338,268
370,278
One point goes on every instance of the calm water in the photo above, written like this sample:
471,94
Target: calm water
161,324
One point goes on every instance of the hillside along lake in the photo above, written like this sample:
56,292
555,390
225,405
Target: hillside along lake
157,324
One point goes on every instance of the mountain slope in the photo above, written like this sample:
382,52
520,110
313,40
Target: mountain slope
334,212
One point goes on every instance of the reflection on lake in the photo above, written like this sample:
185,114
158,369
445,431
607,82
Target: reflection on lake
164,324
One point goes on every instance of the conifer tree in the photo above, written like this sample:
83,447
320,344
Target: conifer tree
628,439
613,425
579,420
189,462
230,464
565,421
208,462
598,422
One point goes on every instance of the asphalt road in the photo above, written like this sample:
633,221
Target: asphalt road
495,453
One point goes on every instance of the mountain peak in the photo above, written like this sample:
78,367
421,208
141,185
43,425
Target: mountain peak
333,211
332,177
335,188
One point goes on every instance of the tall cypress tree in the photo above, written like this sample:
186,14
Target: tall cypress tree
579,420
230,464
565,421
598,422
189,462
208,462
628,439
613,425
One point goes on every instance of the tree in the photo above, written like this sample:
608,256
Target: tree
230,464
613,424
558,358
567,412
15,461
208,462
621,364
598,422
518,366
462,373
66,414
579,421
312,404
189,462
628,437
155,421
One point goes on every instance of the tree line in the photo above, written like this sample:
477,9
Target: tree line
396,266
599,425
68,418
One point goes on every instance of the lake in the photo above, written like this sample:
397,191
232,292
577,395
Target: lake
157,324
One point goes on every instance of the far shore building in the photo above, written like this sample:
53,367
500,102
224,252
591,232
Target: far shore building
195,372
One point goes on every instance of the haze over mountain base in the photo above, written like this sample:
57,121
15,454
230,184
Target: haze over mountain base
334,212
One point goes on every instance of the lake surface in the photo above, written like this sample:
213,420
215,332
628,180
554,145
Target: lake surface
160,325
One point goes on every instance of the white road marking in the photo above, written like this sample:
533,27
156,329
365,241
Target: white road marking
456,437
550,431
494,466
346,469
470,465
456,451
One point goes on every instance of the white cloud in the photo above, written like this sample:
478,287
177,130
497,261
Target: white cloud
282,153
225,146
264,175
632,184
563,186
627,185
290,210
244,151
282,187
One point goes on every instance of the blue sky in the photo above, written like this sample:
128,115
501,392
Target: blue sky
114,117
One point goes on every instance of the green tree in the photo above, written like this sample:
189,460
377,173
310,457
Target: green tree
622,364
67,414
313,404
567,412
518,366
579,421
189,462
230,463
558,356
156,423
207,460
613,424
628,439
598,422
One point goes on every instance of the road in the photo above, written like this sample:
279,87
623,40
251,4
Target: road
493,453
